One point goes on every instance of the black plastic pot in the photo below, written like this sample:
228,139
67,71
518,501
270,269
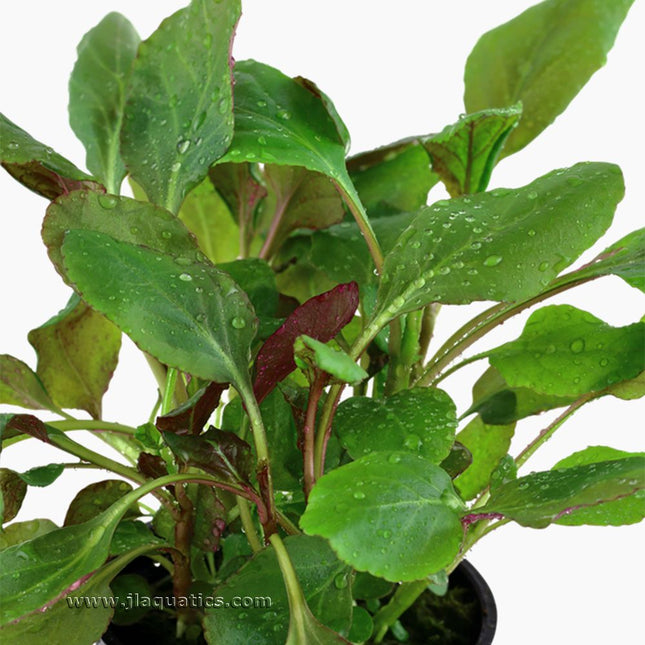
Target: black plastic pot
466,615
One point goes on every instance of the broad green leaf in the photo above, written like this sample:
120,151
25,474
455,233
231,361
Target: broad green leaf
458,459
132,534
63,622
334,362
42,475
421,421
19,532
206,215
188,315
488,444
37,166
19,385
625,258
97,94
366,586
77,350
627,510
12,492
502,245
498,404
122,218
35,573
278,121
629,390
325,581
543,58
566,352
298,198
539,499
465,153
179,114
392,179
81,616
379,511
96,498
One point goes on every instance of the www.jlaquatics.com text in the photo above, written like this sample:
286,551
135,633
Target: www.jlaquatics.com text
193,601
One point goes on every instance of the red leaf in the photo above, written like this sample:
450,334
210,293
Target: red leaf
321,317
28,424
192,416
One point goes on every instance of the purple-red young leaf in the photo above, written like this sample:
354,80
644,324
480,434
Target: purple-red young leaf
321,317
192,416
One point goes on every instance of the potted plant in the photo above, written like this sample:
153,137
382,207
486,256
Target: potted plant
312,477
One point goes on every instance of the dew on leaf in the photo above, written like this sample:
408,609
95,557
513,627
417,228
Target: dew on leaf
238,322
186,277
108,201
577,345
492,260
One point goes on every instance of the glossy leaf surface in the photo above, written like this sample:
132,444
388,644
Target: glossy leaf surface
12,490
539,499
465,249
97,94
543,57
382,508
464,154
188,315
566,352
421,421
320,356
179,114
325,581
18,532
627,510
37,166
77,350
96,498
42,475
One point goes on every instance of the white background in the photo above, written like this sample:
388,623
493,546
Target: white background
391,72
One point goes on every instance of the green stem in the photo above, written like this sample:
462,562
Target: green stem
297,602
309,433
458,366
394,352
403,598
87,424
357,210
169,391
548,432
247,524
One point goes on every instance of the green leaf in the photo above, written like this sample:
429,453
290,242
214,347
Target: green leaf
122,218
37,166
394,515
278,121
498,404
629,390
39,571
625,258
336,363
178,114
132,534
20,386
77,350
19,532
566,352
207,216
465,153
188,315
42,475
12,492
392,179
96,498
469,248
420,421
539,499
488,445
325,581
543,58
97,94
628,510
298,198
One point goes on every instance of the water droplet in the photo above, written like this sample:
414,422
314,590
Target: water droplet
262,140
416,244
261,104
359,494
13,145
176,166
577,345
340,581
134,230
284,115
492,260
222,106
444,270
108,201
186,277
604,362
419,283
238,322
532,195
412,442
550,349
394,459
182,146
166,235
543,266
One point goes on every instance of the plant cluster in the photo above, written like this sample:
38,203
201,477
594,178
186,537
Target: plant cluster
285,297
